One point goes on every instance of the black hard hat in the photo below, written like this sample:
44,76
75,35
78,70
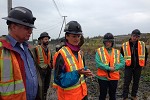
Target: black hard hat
108,37
73,27
44,34
21,15
136,32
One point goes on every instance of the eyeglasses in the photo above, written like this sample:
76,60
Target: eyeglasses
24,27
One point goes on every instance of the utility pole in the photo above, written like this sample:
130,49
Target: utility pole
9,4
64,21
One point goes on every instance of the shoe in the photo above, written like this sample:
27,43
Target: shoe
134,98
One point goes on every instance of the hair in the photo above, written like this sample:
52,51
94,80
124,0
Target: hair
66,34
9,23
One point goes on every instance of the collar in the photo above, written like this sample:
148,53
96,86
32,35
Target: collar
72,47
13,42
109,48
133,42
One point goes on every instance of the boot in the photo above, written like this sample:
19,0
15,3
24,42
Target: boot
45,96
134,98
125,98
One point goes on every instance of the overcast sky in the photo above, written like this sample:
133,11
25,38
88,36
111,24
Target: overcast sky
96,17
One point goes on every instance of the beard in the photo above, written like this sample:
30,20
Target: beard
45,43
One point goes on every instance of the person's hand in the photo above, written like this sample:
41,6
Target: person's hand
112,69
85,72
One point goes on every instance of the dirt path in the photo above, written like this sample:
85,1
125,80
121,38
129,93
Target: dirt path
93,87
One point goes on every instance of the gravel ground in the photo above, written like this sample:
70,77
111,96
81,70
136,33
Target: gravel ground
93,87
93,90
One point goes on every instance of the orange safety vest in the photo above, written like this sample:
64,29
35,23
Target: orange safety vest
141,53
43,59
79,90
11,82
110,60
54,85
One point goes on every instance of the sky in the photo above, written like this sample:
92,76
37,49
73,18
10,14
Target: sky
96,17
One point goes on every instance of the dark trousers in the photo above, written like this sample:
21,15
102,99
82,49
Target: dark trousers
105,86
131,73
46,77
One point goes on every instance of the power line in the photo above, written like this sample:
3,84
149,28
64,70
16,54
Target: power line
64,20
61,6
51,28
48,27
57,8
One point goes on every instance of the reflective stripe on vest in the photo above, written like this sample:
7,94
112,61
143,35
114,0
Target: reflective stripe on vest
116,56
141,53
127,53
43,59
70,59
6,66
10,83
102,55
110,60
72,64
54,58
10,88
106,58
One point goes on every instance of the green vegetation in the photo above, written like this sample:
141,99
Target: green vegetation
146,74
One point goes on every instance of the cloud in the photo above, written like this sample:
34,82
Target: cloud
96,17
137,17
